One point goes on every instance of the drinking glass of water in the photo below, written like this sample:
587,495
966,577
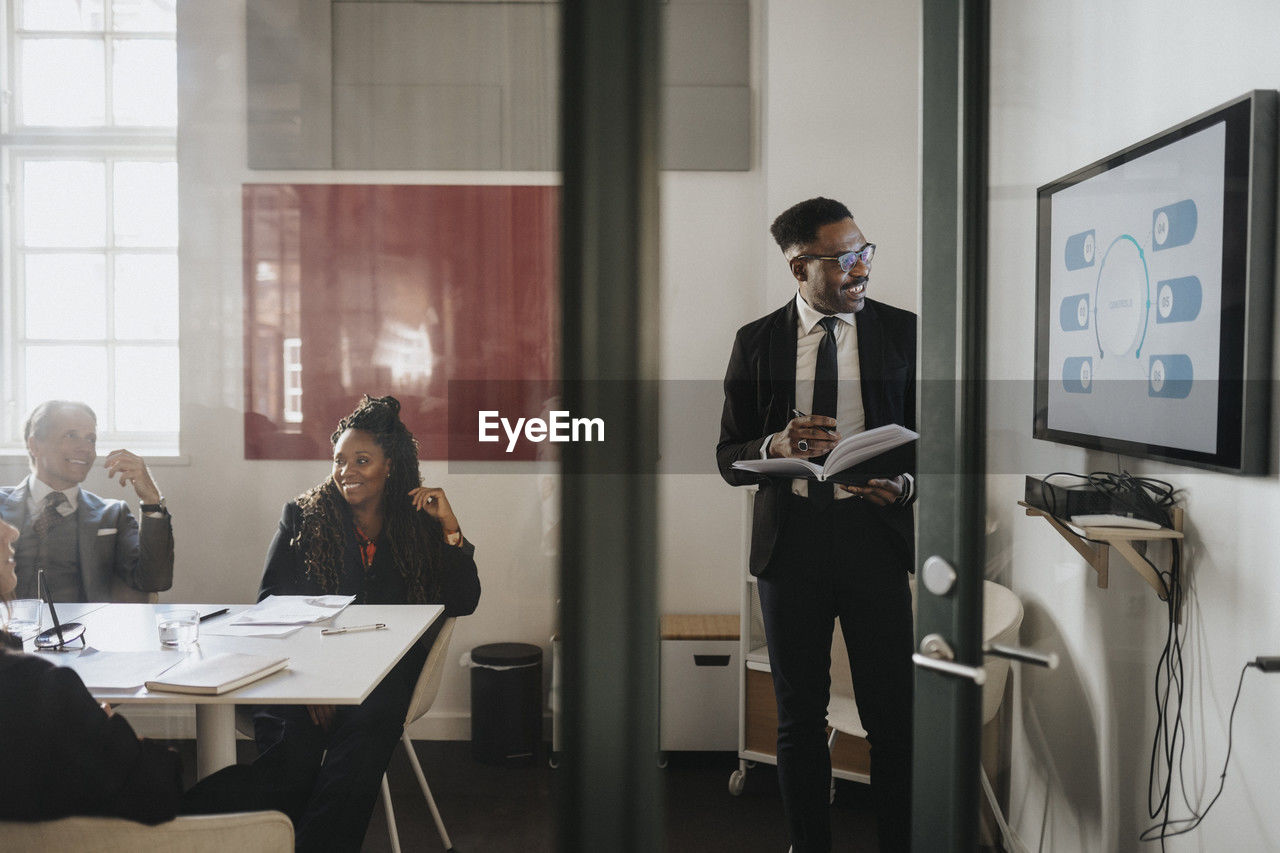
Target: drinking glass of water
24,617
179,628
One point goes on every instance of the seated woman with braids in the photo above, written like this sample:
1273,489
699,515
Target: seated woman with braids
371,530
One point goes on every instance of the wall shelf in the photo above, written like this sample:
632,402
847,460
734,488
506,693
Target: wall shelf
1122,539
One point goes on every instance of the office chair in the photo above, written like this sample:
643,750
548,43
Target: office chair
423,695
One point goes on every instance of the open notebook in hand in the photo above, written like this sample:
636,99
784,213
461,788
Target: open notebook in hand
850,451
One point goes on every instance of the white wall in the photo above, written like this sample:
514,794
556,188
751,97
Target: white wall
1071,82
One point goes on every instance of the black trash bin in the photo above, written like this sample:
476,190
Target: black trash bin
506,703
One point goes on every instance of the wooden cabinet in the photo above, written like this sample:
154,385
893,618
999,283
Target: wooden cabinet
699,666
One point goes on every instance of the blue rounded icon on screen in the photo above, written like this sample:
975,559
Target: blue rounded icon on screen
1169,376
1178,299
1077,375
1080,250
1074,314
1173,225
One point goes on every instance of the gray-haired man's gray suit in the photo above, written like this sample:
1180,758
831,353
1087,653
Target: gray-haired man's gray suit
118,560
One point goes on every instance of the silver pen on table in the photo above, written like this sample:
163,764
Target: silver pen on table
353,629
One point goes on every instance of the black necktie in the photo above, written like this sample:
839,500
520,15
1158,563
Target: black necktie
825,377
50,514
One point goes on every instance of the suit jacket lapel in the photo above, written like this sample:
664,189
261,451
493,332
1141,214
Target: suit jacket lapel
13,508
89,512
782,366
871,363
351,581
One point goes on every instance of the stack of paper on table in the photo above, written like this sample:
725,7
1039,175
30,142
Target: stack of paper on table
293,609
220,673
282,615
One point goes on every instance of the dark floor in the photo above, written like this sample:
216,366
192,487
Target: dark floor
499,809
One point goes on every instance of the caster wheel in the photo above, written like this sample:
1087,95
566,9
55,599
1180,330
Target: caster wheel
662,761
737,781
553,762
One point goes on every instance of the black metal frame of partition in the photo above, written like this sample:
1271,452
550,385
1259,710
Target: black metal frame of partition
610,799
952,451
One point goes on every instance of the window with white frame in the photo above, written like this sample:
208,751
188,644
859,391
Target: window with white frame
90,248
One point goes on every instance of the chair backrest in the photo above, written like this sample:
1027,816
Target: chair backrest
1001,618
244,832
424,693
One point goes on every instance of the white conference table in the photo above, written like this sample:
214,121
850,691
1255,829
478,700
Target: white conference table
340,669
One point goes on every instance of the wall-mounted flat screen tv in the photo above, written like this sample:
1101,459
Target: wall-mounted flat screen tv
1154,273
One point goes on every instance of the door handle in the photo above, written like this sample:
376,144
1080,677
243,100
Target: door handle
936,654
1049,661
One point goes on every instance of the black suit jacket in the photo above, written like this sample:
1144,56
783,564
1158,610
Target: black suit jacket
760,392
65,756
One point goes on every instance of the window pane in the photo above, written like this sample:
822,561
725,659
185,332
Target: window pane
68,373
145,83
62,83
83,15
147,389
66,296
144,16
64,203
146,203
147,297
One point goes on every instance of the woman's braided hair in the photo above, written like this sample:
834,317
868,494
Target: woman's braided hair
414,538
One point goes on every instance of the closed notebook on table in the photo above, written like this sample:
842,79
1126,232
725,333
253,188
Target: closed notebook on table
220,673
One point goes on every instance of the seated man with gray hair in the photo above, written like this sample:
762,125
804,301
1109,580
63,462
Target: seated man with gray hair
91,548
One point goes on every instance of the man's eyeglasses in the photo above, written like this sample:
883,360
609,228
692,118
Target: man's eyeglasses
848,260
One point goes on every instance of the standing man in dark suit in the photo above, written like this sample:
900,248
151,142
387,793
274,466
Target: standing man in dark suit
821,552
91,548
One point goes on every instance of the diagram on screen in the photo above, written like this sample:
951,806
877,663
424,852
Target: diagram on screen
1123,304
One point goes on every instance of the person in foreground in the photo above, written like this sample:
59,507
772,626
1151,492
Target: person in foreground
371,530
91,548
65,754
849,361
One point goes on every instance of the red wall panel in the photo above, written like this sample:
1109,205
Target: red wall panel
443,296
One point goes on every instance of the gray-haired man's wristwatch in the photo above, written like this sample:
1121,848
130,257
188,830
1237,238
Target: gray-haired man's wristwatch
155,510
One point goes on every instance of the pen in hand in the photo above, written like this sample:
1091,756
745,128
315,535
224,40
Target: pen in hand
796,413
353,629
